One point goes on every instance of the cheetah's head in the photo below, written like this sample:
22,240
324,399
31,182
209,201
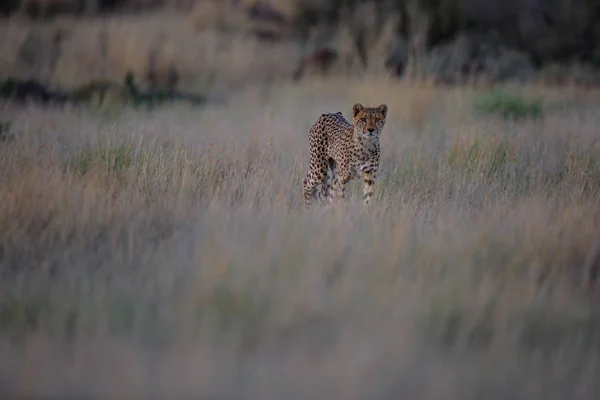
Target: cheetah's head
369,121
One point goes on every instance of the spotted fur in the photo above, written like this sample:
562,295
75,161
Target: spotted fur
341,151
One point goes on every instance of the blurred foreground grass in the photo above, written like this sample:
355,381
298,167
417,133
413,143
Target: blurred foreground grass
167,255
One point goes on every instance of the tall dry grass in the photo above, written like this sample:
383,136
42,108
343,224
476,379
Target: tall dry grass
214,48
206,57
167,254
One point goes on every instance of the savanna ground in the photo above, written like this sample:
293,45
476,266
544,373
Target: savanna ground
166,254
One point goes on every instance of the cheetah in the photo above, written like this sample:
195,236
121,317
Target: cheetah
340,151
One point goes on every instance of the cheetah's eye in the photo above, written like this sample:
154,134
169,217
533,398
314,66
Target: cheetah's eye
377,120
363,120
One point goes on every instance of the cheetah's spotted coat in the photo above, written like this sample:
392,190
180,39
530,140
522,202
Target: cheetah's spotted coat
340,151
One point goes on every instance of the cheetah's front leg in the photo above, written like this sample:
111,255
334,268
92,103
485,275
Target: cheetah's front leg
369,181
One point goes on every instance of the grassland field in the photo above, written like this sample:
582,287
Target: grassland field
167,254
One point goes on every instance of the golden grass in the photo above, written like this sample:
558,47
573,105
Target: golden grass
167,254
207,52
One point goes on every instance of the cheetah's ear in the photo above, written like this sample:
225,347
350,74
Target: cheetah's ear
383,110
356,109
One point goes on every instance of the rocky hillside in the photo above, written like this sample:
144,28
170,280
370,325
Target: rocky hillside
202,43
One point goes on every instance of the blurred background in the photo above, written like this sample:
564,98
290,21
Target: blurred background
223,45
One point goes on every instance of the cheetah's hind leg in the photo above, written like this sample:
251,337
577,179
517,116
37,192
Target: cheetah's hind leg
325,190
322,190
311,185
331,182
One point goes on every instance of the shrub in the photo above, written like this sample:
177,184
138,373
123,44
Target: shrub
508,105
